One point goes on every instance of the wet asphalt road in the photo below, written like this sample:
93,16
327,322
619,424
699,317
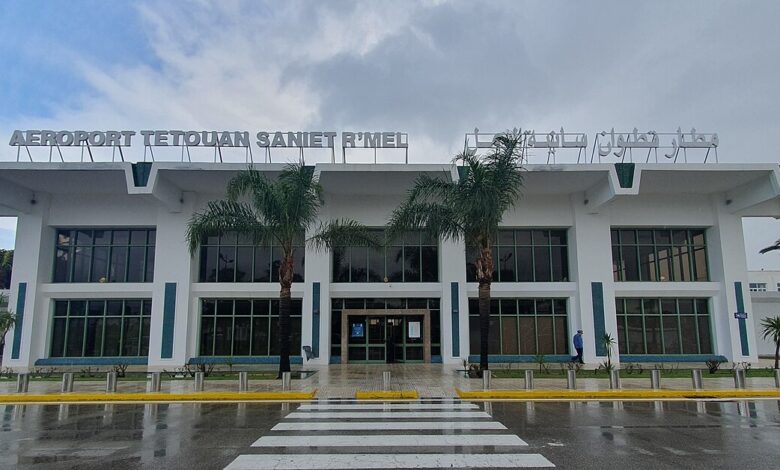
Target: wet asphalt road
570,435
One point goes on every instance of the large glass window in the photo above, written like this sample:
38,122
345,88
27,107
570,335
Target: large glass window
522,326
664,326
101,328
104,255
235,258
338,305
246,327
538,255
412,258
659,255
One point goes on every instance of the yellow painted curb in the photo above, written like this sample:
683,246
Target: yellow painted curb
22,398
389,394
612,394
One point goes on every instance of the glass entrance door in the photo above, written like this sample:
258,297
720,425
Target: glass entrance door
390,338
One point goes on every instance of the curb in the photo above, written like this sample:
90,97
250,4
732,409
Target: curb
612,394
155,397
386,394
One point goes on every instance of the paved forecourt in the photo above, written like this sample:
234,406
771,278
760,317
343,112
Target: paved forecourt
352,435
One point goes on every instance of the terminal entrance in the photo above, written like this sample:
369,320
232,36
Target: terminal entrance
386,336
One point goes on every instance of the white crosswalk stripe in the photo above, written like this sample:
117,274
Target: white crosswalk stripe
395,436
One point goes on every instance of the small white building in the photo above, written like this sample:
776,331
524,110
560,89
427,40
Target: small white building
765,296
652,254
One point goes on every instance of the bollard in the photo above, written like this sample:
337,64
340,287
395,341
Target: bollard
110,382
571,379
696,379
614,379
67,382
154,385
286,378
199,376
386,380
486,375
22,383
655,379
243,381
529,379
777,378
739,377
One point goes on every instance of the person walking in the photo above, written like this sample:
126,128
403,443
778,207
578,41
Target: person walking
578,346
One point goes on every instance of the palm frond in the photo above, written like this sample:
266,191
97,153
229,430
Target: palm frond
343,232
226,216
774,247
771,328
438,220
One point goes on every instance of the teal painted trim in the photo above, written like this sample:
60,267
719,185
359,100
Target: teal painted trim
670,358
243,360
169,318
743,339
599,325
141,172
335,360
20,300
91,361
625,173
436,360
315,319
495,358
455,319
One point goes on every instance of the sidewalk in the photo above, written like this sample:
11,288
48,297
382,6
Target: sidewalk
343,381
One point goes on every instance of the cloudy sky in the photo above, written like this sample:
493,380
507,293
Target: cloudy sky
435,69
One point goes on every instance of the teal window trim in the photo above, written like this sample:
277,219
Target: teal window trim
599,322
169,319
315,319
743,337
21,297
455,299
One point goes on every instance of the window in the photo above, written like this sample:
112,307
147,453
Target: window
338,305
246,327
101,328
759,286
522,326
231,257
537,255
664,326
659,255
412,258
104,255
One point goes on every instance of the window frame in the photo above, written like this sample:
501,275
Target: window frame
619,247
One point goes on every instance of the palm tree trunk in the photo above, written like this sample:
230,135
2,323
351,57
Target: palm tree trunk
285,305
484,323
777,353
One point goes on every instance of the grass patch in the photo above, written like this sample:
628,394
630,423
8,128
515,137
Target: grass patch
602,374
142,376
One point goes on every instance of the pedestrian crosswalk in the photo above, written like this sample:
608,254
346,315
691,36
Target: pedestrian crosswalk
351,435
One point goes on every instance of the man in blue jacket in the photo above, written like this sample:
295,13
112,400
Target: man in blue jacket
578,346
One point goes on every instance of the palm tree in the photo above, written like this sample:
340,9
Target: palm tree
276,212
772,331
469,209
774,247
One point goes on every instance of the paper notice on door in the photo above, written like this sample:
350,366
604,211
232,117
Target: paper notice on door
414,329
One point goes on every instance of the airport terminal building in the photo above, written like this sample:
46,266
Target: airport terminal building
652,253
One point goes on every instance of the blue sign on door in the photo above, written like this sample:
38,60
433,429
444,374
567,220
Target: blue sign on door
358,330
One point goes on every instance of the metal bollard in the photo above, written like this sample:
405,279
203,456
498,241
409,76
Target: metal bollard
386,380
696,379
777,378
655,379
529,379
614,379
154,385
286,379
22,383
199,376
110,382
486,375
571,379
739,377
67,382
243,381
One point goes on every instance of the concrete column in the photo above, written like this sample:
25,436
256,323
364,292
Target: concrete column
590,265
33,261
728,265
316,270
173,272
452,269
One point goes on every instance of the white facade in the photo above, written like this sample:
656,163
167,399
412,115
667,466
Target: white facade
584,200
765,297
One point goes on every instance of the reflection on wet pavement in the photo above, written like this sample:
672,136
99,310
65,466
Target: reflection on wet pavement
690,434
